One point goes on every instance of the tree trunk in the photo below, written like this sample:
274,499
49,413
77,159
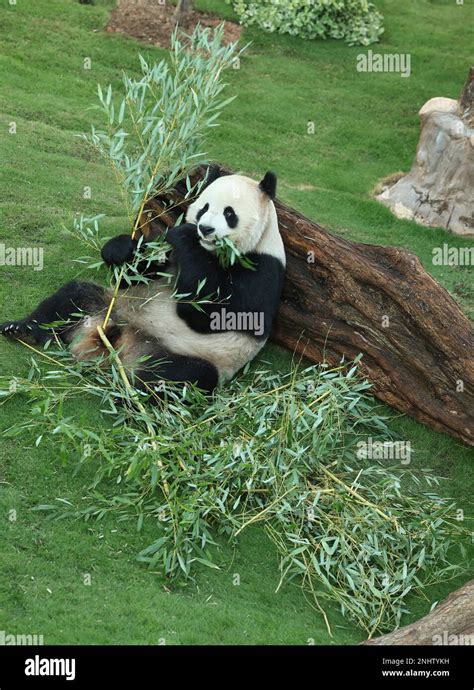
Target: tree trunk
438,191
450,623
182,8
343,298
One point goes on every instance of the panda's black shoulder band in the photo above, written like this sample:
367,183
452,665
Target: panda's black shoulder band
213,172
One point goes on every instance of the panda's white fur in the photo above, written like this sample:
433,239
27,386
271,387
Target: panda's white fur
147,308
228,351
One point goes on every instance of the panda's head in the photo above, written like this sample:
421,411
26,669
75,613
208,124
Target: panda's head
236,207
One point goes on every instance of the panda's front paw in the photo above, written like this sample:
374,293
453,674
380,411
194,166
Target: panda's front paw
119,250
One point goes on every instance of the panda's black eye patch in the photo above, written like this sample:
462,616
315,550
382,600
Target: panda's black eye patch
230,216
202,211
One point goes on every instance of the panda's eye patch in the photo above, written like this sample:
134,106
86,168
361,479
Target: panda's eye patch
202,211
230,216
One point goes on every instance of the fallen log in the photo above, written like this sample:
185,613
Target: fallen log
450,623
343,298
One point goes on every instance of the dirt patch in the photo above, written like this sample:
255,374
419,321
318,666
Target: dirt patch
153,23
387,182
301,187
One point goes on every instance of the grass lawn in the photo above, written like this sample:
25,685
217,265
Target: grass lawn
366,127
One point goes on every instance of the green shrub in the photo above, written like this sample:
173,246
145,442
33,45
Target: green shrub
355,21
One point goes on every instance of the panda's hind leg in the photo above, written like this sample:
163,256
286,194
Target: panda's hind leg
153,375
66,307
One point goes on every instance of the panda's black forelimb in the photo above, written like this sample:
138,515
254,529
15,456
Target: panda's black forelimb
154,375
194,262
119,250
233,290
122,249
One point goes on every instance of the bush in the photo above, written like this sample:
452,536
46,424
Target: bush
355,21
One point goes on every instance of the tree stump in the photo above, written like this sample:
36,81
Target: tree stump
450,623
343,298
439,189
183,8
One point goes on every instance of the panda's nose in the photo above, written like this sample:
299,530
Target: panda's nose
205,230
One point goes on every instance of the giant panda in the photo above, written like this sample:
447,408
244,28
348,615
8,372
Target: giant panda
160,335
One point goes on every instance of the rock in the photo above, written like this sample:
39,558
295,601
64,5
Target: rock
439,189
441,105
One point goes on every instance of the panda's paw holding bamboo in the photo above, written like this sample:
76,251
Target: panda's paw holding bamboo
119,250
180,232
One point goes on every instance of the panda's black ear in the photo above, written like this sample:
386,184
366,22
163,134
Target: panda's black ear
212,173
269,184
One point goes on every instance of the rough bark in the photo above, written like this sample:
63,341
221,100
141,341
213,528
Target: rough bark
439,189
450,623
343,298
466,100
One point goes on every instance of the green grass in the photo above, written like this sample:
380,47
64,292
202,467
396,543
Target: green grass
366,128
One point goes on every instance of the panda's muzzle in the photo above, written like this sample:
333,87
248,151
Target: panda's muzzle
205,230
